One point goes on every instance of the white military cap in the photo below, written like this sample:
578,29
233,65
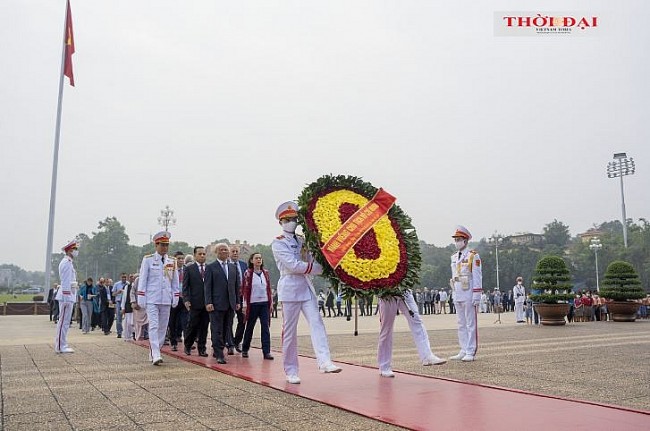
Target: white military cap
70,245
287,209
162,237
462,232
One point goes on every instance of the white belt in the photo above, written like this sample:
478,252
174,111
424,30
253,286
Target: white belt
309,282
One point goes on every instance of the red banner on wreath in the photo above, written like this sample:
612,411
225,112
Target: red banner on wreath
354,228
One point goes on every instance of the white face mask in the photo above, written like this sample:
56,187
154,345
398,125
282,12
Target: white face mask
289,226
460,244
75,253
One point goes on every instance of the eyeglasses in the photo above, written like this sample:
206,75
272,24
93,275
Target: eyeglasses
290,219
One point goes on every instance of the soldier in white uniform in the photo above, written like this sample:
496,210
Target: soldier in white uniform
387,311
297,294
519,295
158,289
466,282
66,296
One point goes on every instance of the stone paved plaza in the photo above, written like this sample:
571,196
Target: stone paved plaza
109,384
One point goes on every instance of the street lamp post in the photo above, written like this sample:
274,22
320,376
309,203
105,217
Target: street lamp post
496,239
111,268
167,218
620,167
595,246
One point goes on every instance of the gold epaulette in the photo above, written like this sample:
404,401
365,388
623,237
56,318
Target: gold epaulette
279,237
148,255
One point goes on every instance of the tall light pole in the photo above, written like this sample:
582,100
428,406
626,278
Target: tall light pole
496,239
620,167
595,246
167,218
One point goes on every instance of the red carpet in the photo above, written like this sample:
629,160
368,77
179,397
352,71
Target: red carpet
425,403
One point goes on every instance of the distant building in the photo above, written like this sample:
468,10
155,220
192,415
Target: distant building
590,234
245,249
527,239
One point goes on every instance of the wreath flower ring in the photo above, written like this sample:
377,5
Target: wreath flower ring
362,240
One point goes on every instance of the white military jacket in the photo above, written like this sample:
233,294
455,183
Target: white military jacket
295,266
158,282
68,275
467,276
519,294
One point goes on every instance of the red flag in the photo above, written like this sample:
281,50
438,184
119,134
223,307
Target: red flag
69,46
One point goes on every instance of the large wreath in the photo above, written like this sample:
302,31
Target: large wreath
385,261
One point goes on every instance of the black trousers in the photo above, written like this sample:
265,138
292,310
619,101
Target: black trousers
220,325
258,310
236,338
96,319
197,328
174,323
107,316
54,310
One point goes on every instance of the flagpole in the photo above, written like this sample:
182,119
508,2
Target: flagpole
55,162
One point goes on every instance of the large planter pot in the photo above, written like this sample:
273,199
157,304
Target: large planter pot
552,314
623,311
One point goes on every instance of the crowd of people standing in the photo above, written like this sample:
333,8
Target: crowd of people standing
173,300
113,307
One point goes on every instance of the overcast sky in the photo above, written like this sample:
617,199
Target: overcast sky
224,109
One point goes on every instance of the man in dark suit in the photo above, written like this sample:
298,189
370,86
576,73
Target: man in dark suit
54,304
235,339
176,314
104,305
194,297
222,291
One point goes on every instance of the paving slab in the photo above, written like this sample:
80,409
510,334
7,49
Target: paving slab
604,354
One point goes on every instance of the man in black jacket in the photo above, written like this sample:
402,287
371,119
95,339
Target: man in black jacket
175,327
234,339
54,304
222,291
106,305
194,297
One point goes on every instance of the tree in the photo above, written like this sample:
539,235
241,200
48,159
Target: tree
107,252
557,233
621,282
435,268
552,278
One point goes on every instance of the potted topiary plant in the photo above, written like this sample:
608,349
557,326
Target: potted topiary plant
551,281
622,286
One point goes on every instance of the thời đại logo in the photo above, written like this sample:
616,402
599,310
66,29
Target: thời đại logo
545,24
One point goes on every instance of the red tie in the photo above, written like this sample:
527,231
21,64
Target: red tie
202,271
